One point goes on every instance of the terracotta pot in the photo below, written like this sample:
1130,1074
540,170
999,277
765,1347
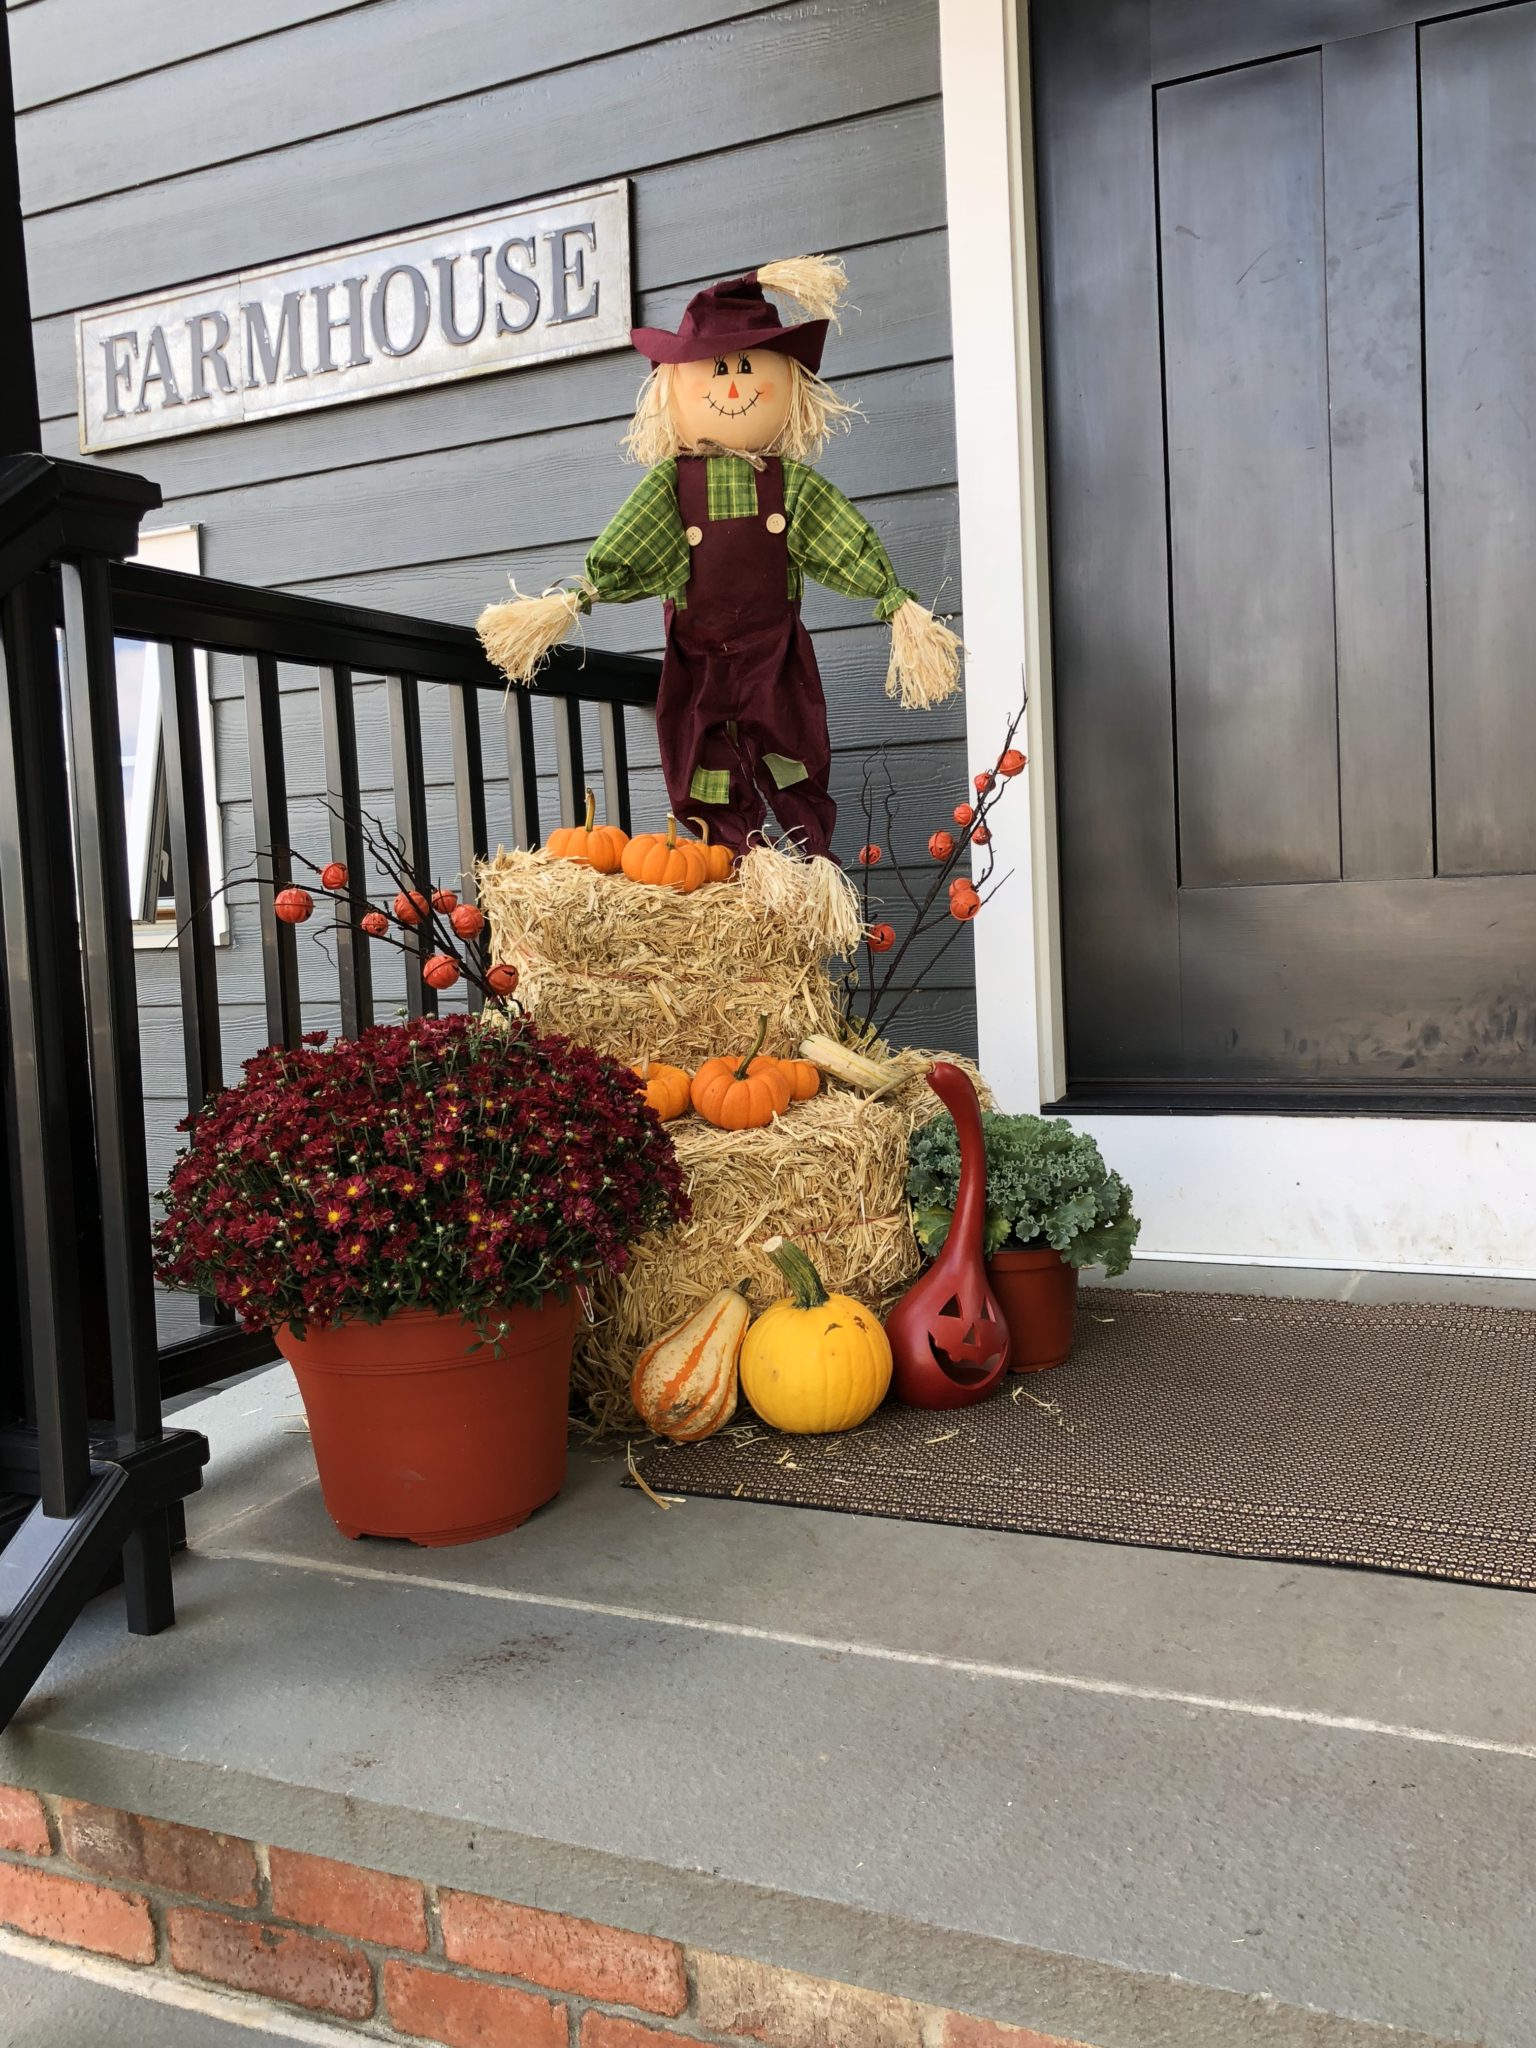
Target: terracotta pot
1038,1292
416,1434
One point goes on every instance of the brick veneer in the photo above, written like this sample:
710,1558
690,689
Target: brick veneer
401,1961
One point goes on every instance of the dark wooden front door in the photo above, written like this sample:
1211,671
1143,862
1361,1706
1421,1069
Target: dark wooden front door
1289,282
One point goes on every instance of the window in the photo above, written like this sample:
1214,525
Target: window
140,667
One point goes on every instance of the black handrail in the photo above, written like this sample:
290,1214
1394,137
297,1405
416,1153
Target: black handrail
343,644
238,618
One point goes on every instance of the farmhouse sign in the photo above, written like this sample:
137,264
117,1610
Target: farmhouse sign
524,284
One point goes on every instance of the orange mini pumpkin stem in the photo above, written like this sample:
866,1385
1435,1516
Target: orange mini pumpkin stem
591,812
671,830
703,825
744,1071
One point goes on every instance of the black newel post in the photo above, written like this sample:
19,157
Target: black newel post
20,427
80,1426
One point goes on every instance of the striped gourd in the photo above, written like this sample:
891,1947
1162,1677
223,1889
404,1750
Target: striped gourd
684,1385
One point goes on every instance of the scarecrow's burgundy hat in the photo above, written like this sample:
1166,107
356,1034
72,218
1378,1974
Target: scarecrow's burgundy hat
726,319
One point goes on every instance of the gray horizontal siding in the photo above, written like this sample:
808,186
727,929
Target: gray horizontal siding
775,74
71,46
919,529
277,89
840,186
902,317
526,492
200,140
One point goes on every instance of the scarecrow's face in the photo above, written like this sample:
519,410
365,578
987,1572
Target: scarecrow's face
740,400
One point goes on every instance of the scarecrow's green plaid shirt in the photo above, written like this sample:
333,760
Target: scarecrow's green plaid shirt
643,551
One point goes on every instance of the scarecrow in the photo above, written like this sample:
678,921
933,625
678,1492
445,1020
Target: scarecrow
725,526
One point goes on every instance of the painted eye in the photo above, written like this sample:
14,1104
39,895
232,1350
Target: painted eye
744,367
721,370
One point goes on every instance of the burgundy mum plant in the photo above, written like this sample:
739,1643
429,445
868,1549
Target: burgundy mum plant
451,1163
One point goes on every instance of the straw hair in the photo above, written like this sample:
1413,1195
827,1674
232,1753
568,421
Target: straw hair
925,658
815,414
520,634
650,436
815,284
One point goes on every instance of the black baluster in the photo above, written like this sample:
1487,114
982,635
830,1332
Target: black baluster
49,1088
469,802
112,1007
186,804
411,829
615,746
522,767
570,763
274,861
338,738
187,829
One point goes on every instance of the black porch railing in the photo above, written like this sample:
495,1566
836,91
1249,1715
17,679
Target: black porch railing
344,649
92,1480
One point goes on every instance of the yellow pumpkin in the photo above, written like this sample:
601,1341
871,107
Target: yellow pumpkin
742,1095
813,1361
719,861
665,861
666,1088
684,1385
595,846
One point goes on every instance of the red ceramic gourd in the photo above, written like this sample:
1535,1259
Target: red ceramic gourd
949,1342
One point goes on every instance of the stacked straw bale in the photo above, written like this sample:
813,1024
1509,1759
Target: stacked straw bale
646,973
641,972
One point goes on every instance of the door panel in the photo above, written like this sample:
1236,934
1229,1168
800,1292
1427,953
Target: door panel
1208,35
1109,550
1376,387
1479,87
1287,294
1245,355
1310,981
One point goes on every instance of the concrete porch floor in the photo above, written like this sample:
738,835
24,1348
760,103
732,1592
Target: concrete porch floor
1135,1798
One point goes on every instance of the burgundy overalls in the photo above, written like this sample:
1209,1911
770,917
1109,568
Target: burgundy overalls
740,692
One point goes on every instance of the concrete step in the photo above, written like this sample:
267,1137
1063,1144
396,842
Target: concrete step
1129,1797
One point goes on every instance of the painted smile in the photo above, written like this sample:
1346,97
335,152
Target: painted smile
731,412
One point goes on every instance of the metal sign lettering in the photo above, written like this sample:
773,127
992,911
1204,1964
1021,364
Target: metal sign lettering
524,284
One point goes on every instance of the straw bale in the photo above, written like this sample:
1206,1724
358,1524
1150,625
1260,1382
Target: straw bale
643,972
829,1174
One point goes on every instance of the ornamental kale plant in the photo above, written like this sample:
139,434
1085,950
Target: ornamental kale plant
451,1163
1046,1185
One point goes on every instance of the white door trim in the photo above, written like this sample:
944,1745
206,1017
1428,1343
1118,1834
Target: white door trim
999,435
1373,1193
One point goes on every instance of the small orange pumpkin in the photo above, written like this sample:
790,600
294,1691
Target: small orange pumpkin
666,1088
742,1095
719,861
595,846
664,861
804,1079
684,1385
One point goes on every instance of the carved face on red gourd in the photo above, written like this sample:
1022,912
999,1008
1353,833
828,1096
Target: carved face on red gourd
741,400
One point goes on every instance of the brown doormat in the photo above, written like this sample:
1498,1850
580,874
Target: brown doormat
1402,1438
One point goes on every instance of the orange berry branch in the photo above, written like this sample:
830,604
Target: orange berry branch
951,851
454,930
